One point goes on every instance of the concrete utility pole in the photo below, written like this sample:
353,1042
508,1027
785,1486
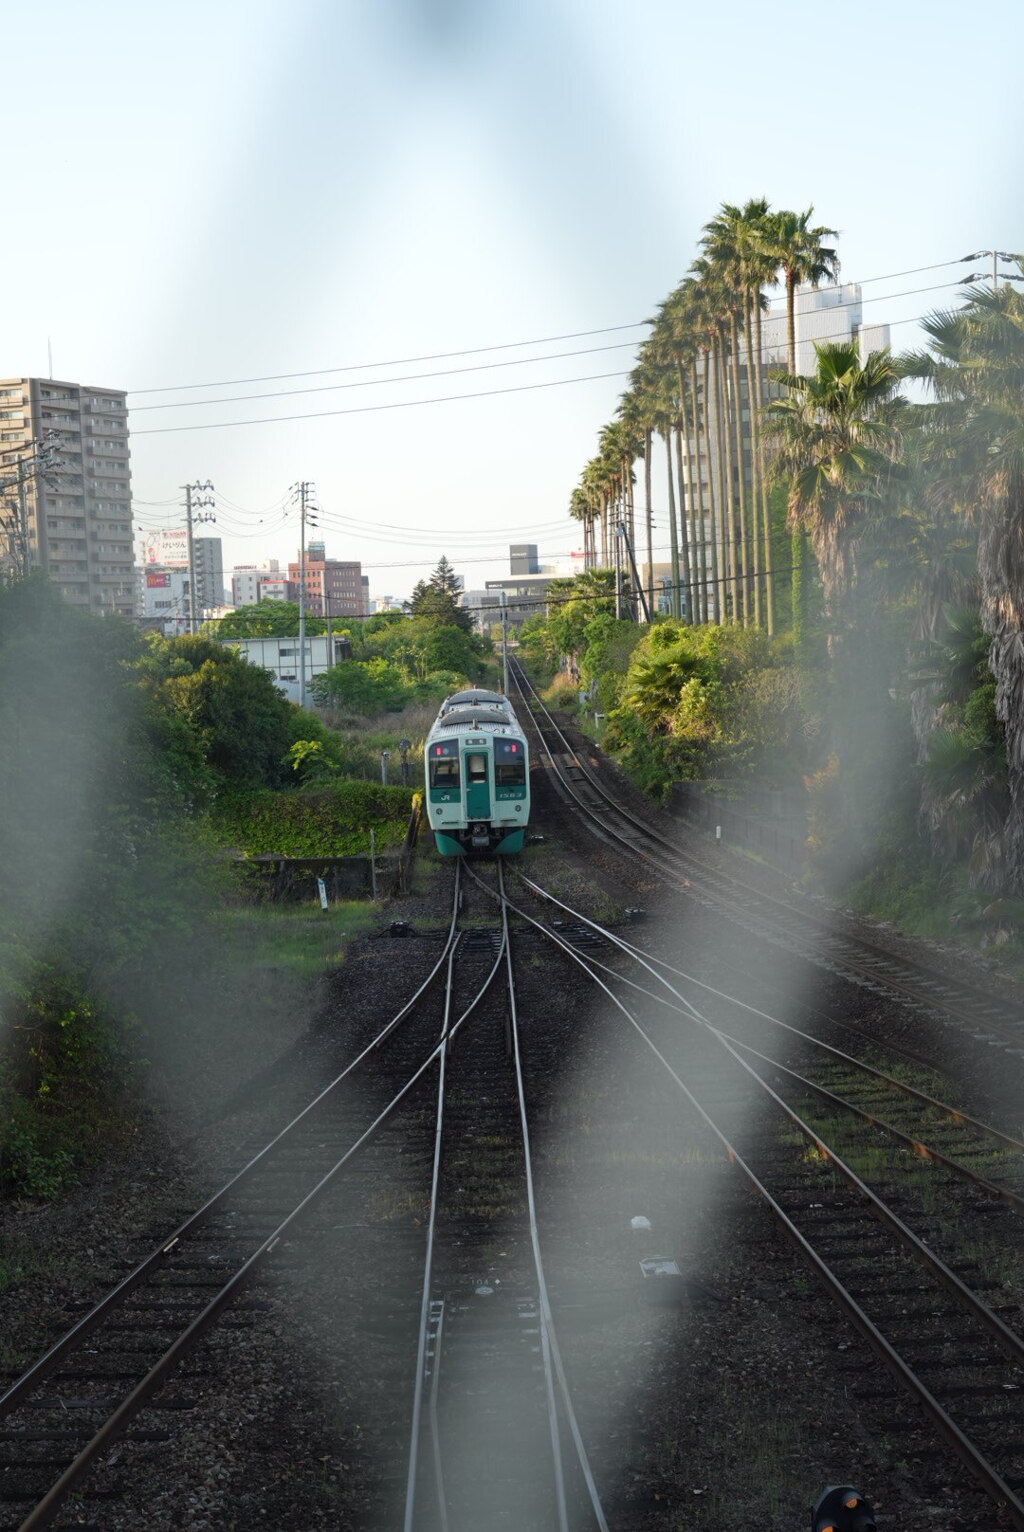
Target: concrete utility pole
504,642
997,275
304,491
641,593
197,499
35,462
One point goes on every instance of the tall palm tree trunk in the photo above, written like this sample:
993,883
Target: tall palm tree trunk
689,506
741,491
756,405
799,544
756,561
717,548
649,519
666,436
725,483
703,540
684,541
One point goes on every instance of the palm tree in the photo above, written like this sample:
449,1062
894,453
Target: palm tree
975,369
836,440
799,252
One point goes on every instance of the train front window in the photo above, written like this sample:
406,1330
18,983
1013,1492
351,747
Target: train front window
509,764
476,768
444,771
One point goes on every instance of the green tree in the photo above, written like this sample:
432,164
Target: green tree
836,440
362,687
974,367
266,619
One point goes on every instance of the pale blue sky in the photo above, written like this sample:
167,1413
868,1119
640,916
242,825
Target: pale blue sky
239,188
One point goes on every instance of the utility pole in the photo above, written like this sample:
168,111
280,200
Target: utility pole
641,593
997,275
619,534
504,641
304,492
198,497
36,461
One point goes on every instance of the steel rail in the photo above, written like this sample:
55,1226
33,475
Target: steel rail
905,1140
548,1334
428,1269
683,868
46,1364
963,1447
955,1114
1011,1343
153,1380
157,1375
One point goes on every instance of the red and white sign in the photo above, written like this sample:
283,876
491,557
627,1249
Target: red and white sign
157,579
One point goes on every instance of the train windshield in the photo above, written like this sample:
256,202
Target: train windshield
476,768
509,763
444,767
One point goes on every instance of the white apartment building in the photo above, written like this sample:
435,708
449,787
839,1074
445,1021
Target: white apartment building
65,488
247,580
822,315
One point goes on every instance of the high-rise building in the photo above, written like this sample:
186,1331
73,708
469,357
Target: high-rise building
65,488
333,588
248,582
522,558
209,572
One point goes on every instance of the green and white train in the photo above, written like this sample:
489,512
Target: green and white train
478,776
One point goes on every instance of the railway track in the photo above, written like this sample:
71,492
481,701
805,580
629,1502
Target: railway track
492,1394
799,928
889,1225
301,1214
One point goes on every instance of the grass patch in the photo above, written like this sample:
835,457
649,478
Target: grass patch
302,939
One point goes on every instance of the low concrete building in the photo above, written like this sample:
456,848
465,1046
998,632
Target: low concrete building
280,657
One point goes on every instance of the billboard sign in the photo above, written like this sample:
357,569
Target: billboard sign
170,548
157,579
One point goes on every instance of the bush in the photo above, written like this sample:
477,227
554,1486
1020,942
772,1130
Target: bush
330,821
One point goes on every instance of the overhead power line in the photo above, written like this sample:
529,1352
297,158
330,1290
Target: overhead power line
414,377
441,356
367,409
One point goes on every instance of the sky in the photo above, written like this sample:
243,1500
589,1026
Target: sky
334,196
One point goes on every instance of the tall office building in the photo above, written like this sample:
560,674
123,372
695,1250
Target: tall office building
65,488
333,587
209,576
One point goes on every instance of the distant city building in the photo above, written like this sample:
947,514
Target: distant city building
823,315
522,559
333,588
209,577
164,599
484,606
277,588
247,580
65,506
523,595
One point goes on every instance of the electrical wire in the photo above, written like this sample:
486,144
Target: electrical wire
366,409
413,377
440,356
